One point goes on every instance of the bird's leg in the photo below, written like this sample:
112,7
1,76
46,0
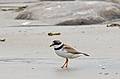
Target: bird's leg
65,63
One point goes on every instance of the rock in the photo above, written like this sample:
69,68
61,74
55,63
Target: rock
17,9
114,25
2,40
106,73
55,33
71,12
100,73
27,16
33,68
81,21
116,73
21,8
7,9
103,68
17,1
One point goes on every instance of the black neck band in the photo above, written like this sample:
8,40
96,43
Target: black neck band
59,47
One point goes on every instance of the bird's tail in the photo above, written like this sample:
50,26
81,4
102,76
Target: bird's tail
85,54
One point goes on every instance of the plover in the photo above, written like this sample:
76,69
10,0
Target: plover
66,51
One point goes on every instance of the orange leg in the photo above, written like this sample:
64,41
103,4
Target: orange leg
65,64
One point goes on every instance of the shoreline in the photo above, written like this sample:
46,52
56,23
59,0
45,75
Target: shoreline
25,51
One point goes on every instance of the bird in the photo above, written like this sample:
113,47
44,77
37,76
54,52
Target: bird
66,51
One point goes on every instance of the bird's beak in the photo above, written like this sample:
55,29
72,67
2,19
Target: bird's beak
51,45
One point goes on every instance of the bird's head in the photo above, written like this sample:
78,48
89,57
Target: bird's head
56,42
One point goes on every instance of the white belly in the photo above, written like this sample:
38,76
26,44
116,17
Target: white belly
64,54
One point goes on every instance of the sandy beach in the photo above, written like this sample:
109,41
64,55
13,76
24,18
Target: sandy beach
25,51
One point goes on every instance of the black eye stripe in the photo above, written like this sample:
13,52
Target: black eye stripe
57,43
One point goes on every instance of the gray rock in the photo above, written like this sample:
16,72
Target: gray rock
72,12
82,21
25,15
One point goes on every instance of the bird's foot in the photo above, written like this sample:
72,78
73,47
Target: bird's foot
66,66
62,67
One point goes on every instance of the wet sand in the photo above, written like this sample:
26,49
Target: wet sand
49,68
26,53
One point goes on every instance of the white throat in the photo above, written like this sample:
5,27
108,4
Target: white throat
57,46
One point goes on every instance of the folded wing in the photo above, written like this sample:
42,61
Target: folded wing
71,50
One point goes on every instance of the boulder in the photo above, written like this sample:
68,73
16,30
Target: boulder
71,12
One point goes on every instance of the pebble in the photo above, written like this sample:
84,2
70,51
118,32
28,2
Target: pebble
106,73
100,73
116,73
33,68
2,40
102,67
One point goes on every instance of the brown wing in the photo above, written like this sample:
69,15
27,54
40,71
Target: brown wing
70,49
